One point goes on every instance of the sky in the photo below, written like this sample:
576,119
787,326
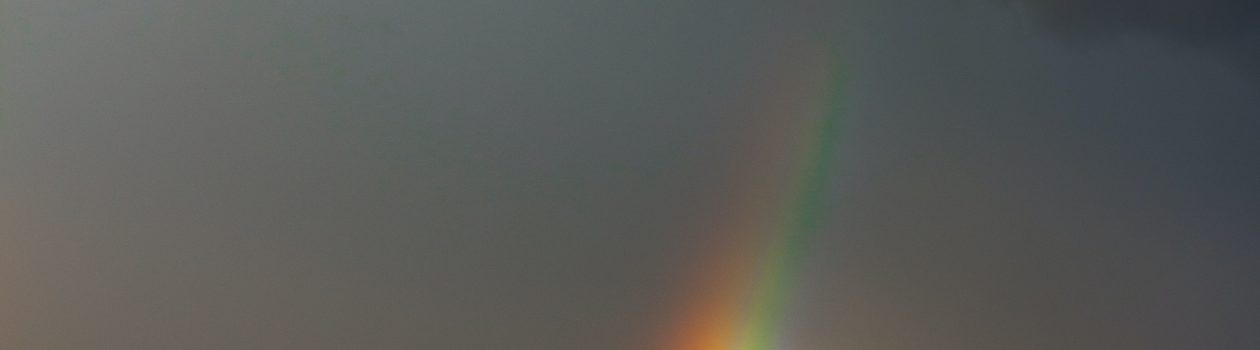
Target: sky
543,174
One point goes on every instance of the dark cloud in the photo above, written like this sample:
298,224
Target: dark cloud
1225,27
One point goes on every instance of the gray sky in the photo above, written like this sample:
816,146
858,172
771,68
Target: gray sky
526,174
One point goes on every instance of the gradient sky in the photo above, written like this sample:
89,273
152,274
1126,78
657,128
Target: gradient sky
477,174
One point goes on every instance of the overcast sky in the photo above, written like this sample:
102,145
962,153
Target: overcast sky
478,174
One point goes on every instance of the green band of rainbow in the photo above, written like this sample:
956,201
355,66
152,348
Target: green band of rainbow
764,325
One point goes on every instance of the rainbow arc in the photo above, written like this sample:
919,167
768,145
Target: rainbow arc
744,291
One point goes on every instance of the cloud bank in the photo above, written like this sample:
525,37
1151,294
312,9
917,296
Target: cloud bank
1224,27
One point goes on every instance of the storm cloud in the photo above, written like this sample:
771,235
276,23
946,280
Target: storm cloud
1225,27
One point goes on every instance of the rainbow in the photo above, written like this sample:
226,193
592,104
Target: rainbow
739,298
